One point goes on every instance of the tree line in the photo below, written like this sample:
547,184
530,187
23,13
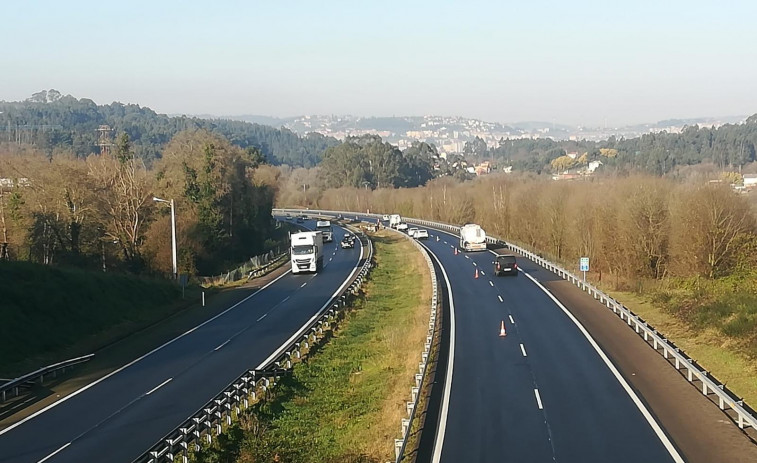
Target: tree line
51,121
730,146
98,211
632,228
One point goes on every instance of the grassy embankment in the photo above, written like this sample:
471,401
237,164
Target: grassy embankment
49,314
714,321
345,402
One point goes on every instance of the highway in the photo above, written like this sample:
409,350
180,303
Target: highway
544,392
121,415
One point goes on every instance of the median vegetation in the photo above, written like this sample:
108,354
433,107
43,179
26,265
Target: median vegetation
50,314
345,402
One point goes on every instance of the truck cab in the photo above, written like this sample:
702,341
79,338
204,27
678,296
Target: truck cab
307,252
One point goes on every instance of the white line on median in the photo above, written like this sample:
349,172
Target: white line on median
52,454
538,399
159,386
442,428
223,344
523,350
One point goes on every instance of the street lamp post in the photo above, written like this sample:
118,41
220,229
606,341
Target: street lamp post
173,232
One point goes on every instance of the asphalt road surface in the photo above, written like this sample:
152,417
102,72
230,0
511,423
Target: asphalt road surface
120,416
541,393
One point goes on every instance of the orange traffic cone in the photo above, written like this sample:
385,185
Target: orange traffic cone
502,332
455,251
476,274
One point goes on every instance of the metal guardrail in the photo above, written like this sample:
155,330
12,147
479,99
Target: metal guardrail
15,385
421,378
209,421
733,406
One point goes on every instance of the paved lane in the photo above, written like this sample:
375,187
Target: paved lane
122,415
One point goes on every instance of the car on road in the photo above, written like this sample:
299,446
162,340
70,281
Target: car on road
347,243
300,220
421,234
289,216
385,218
505,264
402,226
411,231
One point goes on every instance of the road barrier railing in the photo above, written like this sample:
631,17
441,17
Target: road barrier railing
218,413
421,378
731,404
13,387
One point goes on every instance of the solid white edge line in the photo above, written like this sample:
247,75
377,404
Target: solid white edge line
313,318
639,404
54,453
84,388
159,386
523,350
512,322
538,399
650,419
442,428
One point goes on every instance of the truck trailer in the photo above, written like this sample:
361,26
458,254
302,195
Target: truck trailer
324,226
472,238
307,251
394,220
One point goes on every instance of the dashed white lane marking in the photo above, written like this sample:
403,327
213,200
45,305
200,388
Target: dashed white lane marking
500,298
511,319
52,454
330,259
303,285
491,284
475,264
223,344
159,386
467,257
482,272
264,315
523,350
538,399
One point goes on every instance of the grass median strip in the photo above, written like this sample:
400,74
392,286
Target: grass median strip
345,402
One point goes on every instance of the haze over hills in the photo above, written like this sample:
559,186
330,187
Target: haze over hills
450,133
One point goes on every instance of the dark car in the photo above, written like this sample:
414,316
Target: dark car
300,220
505,265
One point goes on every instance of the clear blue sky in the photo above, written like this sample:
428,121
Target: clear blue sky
578,62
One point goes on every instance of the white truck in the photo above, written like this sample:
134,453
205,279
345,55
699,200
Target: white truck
307,251
324,226
394,220
472,238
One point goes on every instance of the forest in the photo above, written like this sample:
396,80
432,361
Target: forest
730,146
97,212
51,121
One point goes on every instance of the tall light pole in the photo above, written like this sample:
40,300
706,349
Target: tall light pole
173,232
